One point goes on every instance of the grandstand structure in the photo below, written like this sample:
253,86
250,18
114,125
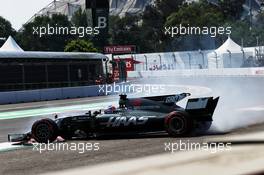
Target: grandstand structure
27,70
69,7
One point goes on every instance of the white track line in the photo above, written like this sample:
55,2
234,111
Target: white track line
7,146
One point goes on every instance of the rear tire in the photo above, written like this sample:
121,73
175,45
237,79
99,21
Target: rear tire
178,124
44,131
203,127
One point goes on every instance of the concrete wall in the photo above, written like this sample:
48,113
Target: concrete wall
89,91
48,94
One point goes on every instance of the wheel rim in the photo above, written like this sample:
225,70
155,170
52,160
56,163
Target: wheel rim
43,131
177,124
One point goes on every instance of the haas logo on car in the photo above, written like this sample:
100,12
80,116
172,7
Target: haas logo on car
125,121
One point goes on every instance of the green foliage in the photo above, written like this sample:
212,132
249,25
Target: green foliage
166,7
80,45
196,14
232,9
79,18
5,29
260,19
144,30
124,31
242,34
54,42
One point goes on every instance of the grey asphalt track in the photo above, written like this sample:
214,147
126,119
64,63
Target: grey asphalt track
29,161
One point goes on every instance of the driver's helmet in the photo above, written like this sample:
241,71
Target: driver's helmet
110,110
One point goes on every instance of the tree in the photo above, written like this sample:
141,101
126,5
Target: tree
125,31
166,7
152,24
5,29
147,30
48,42
241,32
79,18
232,9
153,20
260,19
198,14
144,30
80,45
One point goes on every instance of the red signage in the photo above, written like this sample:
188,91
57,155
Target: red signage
129,63
119,49
130,66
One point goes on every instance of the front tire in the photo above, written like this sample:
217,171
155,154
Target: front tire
178,124
44,131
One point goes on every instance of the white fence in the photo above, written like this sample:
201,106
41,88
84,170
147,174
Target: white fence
200,59
223,72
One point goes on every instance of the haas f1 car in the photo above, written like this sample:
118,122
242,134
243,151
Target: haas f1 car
133,116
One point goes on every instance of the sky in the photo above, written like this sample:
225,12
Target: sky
18,12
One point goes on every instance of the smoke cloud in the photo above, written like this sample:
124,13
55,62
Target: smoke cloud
241,101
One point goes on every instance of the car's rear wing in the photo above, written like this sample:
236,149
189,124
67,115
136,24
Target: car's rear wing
202,108
169,100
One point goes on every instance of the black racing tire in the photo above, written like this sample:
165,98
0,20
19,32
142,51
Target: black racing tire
178,124
202,127
44,131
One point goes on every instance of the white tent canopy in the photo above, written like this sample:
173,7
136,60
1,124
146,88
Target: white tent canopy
229,54
11,46
229,45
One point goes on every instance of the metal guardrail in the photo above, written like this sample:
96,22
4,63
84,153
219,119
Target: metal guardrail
223,72
199,59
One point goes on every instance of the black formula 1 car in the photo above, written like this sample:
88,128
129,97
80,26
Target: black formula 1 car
133,116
